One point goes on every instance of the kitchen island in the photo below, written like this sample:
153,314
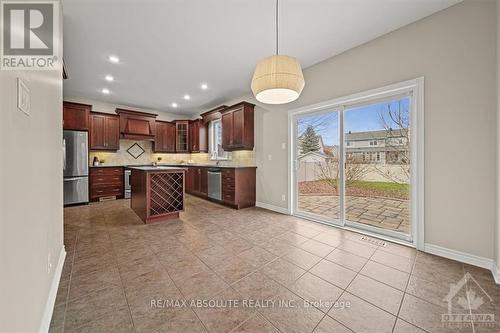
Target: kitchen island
157,192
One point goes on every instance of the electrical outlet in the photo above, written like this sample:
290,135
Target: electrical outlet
283,145
269,157
283,197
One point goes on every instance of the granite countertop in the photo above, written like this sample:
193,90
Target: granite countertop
105,166
155,168
210,166
177,166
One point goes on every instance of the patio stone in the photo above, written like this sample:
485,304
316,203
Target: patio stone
389,214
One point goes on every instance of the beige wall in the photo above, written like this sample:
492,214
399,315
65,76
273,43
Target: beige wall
31,200
497,226
455,51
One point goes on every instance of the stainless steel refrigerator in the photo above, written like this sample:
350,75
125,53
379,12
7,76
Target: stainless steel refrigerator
76,167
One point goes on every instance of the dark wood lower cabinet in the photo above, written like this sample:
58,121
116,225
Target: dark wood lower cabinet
204,181
197,180
237,185
151,200
106,182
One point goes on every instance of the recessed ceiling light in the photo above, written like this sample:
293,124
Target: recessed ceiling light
187,97
109,78
114,59
105,91
204,86
174,105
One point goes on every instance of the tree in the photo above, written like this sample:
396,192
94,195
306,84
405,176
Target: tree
400,118
310,141
354,171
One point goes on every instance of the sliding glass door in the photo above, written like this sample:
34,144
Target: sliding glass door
317,166
377,166
352,166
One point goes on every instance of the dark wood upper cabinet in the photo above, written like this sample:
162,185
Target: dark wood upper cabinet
76,116
227,130
97,131
165,137
203,137
198,136
137,125
104,131
112,131
194,136
182,136
238,127
213,114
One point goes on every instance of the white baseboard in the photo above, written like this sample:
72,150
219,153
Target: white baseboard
272,207
496,273
466,258
51,300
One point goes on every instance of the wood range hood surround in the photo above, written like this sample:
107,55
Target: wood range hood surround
135,125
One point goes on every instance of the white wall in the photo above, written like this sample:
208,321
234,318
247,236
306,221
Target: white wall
497,229
455,51
31,199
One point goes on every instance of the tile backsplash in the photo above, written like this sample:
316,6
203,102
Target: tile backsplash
122,157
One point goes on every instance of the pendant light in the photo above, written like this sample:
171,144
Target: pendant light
278,79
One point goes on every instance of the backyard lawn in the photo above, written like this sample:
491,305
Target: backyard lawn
358,188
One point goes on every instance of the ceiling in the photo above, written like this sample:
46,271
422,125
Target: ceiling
168,48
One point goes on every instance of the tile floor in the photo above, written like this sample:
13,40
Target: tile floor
261,271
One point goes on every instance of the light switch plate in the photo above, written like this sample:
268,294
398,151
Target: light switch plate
23,96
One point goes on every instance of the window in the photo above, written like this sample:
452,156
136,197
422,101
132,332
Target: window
215,141
348,143
373,143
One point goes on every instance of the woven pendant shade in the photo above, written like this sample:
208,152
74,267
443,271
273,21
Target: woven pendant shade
277,80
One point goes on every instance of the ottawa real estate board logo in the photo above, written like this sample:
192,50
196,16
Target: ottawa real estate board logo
469,305
29,33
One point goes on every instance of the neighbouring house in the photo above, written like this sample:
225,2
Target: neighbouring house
379,147
385,150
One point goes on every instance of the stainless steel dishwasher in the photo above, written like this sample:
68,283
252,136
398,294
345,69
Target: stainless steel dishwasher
127,188
214,183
